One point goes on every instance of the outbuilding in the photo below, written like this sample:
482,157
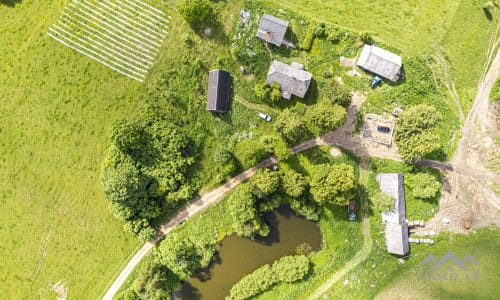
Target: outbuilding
272,29
395,225
381,62
219,87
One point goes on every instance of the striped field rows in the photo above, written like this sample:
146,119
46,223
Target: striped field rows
123,35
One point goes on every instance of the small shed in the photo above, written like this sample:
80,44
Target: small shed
272,29
395,225
219,86
292,78
381,62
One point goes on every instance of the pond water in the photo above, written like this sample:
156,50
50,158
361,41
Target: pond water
238,256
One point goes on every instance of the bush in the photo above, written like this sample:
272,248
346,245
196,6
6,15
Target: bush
338,93
294,184
324,117
264,183
291,268
291,126
244,214
307,43
416,135
423,185
249,152
193,10
287,269
332,183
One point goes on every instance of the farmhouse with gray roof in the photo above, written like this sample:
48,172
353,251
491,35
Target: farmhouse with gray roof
381,62
272,29
395,226
219,85
292,78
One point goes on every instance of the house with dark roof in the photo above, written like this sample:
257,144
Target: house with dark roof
272,29
219,87
292,78
395,225
381,62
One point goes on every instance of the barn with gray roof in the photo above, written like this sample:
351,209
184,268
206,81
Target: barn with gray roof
395,225
219,86
272,29
381,62
292,78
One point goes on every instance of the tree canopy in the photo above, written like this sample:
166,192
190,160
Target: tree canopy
416,135
193,10
264,183
324,117
332,183
294,184
144,170
291,125
424,185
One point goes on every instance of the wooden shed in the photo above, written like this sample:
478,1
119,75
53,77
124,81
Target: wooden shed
219,88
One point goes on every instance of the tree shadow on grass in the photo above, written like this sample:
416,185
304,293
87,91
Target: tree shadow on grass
10,3
211,28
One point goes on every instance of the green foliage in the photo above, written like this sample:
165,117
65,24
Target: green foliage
264,183
291,126
424,185
180,255
287,269
324,117
155,281
275,94
294,183
416,136
366,38
383,201
332,183
249,152
245,218
308,40
291,268
338,93
193,10
222,156
262,91
253,284
145,164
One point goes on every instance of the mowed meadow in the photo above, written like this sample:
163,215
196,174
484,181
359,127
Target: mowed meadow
57,108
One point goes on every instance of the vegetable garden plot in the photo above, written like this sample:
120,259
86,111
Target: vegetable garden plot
124,35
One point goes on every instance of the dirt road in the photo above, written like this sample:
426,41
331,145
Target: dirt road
192,208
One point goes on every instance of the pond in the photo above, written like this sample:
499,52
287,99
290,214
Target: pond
238,256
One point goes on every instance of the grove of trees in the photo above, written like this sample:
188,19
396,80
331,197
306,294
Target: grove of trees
144,172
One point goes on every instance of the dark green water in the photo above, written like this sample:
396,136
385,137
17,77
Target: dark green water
239,256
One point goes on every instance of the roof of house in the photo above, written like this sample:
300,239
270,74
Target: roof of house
396,228
396,238
272,29
219,85
292,78
381,62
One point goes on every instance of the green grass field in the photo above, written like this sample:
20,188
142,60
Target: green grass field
57,108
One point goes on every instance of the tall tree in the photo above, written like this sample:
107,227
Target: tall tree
193,10
291,126
416,134
332,183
